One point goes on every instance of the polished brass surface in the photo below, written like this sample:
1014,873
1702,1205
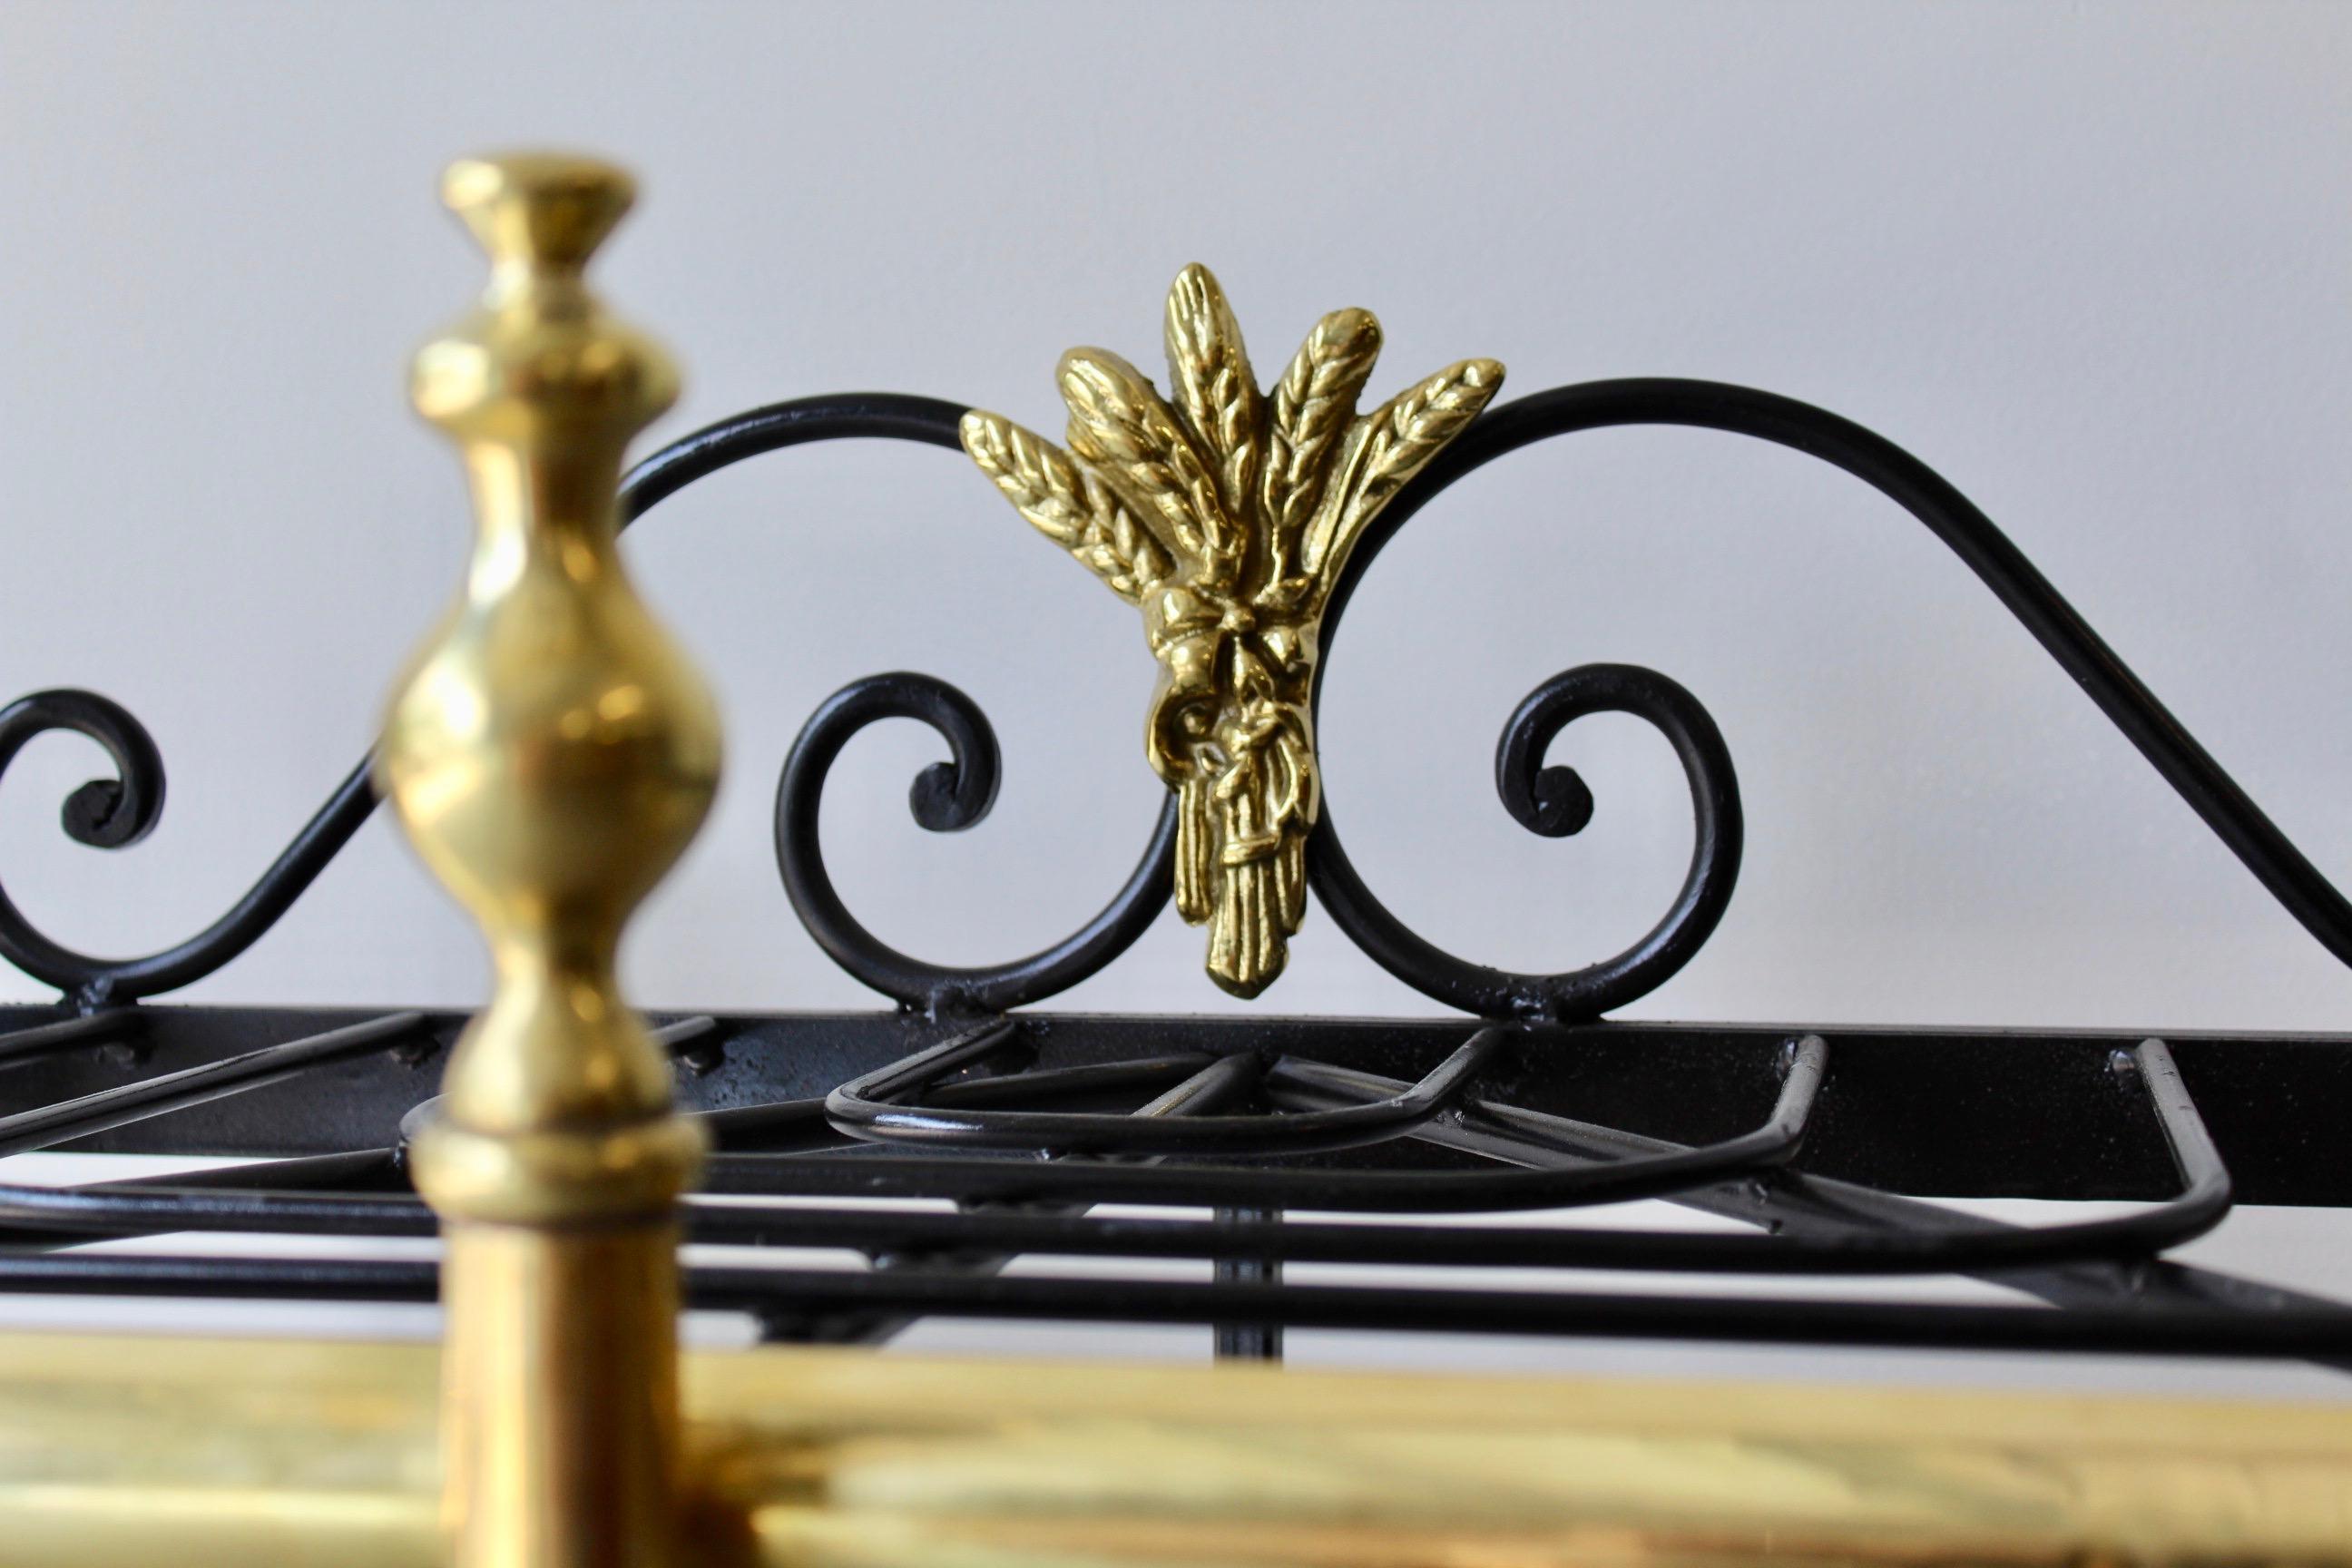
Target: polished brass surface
125,1453
550,752
1226,514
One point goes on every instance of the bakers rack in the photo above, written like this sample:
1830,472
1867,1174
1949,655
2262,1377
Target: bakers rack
550,754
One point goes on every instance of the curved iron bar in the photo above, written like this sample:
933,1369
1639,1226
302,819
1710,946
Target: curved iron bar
851,1172
870,1106
118,812
2217,798
791,1126
972,1178
373,1197
2203,1203
1215,1084
110,814
1983,1248
797,422
946,797
1555,801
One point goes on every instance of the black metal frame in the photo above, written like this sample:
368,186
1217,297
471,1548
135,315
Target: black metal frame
1824,1140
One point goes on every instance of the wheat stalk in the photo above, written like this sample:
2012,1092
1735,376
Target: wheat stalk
1196,848
1246,950
1386,448
1066,503
1311,406
1134,439
1214,389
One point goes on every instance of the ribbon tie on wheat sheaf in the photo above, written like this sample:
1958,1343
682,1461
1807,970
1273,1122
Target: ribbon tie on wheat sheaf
1226,514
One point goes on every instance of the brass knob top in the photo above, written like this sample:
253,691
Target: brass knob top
540,361
549,210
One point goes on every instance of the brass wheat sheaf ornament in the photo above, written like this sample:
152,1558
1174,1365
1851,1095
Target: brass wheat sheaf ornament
1226,514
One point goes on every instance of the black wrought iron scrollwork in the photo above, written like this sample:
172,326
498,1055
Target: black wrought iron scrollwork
946,797
840,416
110,814
1552,801
1555,802
105,813
2282,869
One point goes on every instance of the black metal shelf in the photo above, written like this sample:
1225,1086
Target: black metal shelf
1822,1141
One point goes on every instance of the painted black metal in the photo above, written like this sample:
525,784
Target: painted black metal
946,797
2324,1336
118,812
1966,1113
847,415
265,1198
1213,1084
1029,1122
111,1107
1815,1226
1518,1137
1209,1082
1420,1190
1555,801
67,1034
109,814
1234,1340
1819,1219
2284,870
874,1106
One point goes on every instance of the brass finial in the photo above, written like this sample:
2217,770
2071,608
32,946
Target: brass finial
550,752
1227,514
547,208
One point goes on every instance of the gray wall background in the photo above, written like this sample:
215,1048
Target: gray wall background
2089,261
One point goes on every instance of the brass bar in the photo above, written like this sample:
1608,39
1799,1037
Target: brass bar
550,754
124,1452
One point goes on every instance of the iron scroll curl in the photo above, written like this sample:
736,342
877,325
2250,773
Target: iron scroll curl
946,797
113,813
956,795
1554,802
118,812
2282,870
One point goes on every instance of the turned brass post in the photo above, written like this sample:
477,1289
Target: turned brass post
550,752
